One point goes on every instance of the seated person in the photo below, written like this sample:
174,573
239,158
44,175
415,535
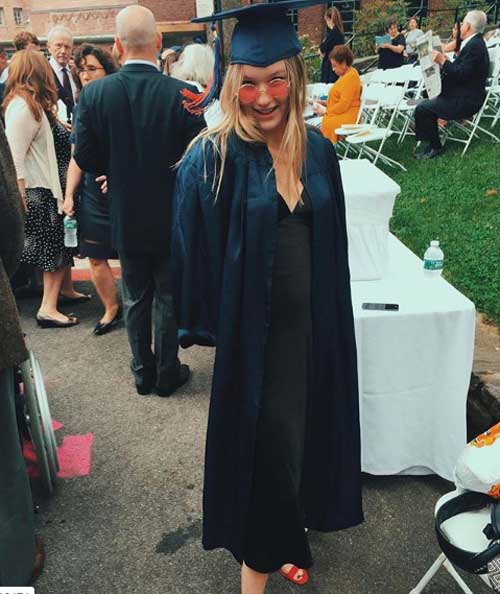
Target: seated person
412,35
451,46
463,85
344,98
391,55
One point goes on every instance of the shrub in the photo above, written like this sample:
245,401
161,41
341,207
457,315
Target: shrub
312,59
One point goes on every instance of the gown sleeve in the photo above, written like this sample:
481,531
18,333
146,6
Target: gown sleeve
198,247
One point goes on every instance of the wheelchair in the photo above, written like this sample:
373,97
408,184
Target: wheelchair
34,419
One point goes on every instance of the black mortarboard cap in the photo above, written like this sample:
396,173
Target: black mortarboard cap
263,34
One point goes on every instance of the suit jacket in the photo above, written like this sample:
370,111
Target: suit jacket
133,127
63,96
12,347
465,78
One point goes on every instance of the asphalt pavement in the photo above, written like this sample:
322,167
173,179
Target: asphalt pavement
133,525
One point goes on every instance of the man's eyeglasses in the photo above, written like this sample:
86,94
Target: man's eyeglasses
277,88
89,70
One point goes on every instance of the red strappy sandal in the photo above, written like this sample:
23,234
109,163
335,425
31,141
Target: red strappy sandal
291,575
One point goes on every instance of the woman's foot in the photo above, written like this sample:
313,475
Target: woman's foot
111,314
55,319
73,297
103,327
294,574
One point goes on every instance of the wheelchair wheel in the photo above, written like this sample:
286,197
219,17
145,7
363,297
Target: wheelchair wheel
40,422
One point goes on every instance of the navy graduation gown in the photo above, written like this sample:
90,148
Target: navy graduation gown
222,263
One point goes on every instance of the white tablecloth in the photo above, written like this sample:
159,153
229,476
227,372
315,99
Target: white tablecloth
370,196
414,369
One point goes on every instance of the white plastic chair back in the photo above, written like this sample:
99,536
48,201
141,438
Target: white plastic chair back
466,530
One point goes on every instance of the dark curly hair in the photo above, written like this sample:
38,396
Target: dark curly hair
103,56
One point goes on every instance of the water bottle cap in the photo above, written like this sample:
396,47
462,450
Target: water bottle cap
435,243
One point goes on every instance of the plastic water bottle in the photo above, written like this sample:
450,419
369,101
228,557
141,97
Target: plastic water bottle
433,260
70,232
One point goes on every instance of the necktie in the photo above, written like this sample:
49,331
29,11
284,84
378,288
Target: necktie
68,92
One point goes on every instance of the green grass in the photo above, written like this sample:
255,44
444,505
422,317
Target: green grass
456,200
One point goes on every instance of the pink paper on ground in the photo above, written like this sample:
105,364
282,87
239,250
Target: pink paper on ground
75,456
56,425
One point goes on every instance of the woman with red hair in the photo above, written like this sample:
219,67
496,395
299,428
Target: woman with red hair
30,112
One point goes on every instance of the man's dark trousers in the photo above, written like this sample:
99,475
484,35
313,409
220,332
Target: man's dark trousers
449,108
145,280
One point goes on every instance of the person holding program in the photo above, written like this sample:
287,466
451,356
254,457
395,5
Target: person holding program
259,227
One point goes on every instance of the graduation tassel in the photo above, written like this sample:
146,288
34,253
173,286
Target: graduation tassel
196,103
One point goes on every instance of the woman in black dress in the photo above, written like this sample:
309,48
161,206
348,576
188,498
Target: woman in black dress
334,36
92,63
391,54
260,270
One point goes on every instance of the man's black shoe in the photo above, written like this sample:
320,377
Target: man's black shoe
145,384
144,389
182,378
433,153
429,153
423,154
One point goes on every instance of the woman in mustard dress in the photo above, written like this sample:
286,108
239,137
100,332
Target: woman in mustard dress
344,99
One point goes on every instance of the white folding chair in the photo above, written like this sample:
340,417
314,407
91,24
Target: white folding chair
379,107
464,531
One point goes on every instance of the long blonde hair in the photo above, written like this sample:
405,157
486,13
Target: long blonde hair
236,121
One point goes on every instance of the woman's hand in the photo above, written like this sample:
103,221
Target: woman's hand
103,180
69,205
318,109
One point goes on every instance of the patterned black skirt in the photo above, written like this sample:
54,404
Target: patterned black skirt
44,233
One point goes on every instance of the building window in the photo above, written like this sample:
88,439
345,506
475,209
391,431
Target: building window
2,17
18,16
418,8
293,15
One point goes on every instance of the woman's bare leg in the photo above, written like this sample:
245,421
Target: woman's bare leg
252,582
104,282
51,286
67,288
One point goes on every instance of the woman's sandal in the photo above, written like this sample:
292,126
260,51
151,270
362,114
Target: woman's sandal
65,300
291,575
47,322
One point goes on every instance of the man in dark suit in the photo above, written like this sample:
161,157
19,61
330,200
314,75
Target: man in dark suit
60,46
132,127
463,85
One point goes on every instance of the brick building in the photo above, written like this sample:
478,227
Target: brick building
93,20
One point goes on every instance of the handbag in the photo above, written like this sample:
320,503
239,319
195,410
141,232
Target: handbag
478,467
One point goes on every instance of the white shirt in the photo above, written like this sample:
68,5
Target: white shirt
4,75
466,41
32,146
58,69
147,62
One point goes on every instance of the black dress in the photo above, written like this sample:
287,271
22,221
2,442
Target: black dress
333,37
44,230
93,214
275,527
